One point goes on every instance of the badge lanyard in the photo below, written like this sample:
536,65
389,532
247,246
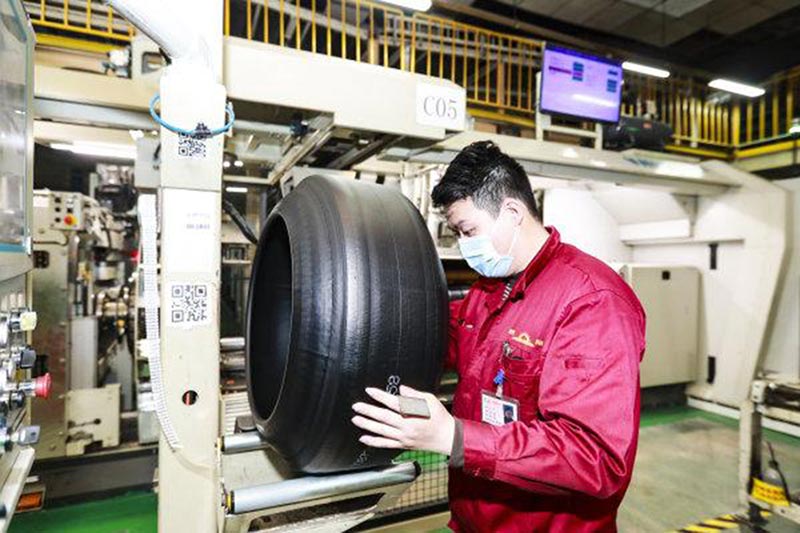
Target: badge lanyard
496,409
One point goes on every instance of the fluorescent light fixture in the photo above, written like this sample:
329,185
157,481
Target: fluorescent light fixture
416,5
236,189
238,163
736,87
644,69
115,151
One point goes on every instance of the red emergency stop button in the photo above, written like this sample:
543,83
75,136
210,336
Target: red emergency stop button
42,386
69,220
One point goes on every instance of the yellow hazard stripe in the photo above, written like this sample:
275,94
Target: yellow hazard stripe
722,524
714,525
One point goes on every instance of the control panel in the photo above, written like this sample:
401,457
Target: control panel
16,356
65,210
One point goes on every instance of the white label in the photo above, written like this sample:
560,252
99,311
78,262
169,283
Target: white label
189,304
191,148
498,411
41,201
441,106
189,233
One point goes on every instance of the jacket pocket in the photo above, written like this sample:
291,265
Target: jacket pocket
581,368
523,372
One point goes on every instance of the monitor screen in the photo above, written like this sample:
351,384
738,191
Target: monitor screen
580,85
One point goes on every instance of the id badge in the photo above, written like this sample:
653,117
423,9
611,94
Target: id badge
498,411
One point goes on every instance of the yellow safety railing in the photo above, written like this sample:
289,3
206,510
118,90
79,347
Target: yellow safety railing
696,118
497,70
769,117
700,115
359,30
84,17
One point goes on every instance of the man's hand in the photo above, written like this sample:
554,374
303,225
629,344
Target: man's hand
391,430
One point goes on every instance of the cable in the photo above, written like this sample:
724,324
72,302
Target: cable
240,221
200,131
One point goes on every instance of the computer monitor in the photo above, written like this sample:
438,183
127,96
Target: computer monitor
580,85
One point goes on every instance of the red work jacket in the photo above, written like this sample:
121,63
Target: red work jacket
575,335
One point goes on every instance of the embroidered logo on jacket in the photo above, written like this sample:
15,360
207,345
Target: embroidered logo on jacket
525,339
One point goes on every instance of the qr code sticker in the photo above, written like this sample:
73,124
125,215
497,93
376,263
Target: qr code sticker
189,304
191,147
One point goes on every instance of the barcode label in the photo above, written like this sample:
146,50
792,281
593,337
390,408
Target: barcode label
191,147
189,304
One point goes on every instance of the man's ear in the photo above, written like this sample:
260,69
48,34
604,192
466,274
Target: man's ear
516,208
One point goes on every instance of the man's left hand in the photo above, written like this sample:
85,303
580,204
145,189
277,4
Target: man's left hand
389,429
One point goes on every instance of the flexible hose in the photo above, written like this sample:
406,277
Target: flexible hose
240,221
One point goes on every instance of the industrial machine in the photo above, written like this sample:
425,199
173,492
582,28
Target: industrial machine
778,398
678,226
17,319
81,281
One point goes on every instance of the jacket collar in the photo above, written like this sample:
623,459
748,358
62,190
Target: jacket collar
540,260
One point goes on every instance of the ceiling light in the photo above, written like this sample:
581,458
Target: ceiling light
236,189
226,164
644,69
238,163
416,5
115,151
736,88
794,129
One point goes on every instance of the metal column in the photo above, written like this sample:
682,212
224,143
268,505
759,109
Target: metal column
189,208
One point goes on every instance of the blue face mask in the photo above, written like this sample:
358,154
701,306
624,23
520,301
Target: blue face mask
483,258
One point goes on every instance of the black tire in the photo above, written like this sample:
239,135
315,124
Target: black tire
347,291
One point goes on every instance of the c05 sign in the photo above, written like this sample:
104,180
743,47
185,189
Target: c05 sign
441,106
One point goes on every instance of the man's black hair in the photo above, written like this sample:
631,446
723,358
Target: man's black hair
484,173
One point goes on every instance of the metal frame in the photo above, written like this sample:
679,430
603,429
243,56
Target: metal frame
259,486
15,293
753,411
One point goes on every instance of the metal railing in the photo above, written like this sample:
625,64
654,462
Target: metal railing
769,117
358,30
497,70
83,17
690,108
702,116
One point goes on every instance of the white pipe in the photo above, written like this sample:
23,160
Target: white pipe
157,21
304,489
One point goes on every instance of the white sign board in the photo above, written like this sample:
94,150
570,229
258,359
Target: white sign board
441,106
192,230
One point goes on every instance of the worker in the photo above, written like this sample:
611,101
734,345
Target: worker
547,346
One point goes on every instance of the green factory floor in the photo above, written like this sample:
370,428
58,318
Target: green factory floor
685,472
